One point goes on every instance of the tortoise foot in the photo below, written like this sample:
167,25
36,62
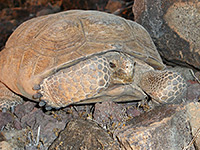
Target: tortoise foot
164,86
42,101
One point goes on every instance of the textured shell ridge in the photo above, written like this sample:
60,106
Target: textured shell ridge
74,49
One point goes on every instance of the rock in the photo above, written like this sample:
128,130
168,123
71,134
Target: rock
125,10
165,127
24,109
14,13
29,119
114,5
6,28
37,2
49,125
10,18
79,111
5,118
49,9
20,140
109,114
83,134
13,140
193,92
193,113
6,4
80,4
174,27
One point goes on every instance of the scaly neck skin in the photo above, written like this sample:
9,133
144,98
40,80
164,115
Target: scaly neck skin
139,69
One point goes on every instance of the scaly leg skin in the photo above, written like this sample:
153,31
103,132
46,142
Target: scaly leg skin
163,86
8,99
76,83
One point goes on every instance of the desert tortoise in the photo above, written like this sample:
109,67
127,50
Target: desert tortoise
82,57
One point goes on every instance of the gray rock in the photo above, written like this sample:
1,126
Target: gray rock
174,27
84,134
165,127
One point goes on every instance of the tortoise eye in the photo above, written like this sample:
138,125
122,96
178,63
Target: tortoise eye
112,65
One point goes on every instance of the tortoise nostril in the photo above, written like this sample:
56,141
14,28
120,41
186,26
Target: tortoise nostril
120,72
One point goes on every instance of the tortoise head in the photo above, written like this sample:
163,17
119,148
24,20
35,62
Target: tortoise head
122,68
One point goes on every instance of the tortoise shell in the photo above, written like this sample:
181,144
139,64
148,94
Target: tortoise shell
45,44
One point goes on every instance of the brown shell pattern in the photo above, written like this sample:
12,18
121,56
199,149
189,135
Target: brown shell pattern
43,44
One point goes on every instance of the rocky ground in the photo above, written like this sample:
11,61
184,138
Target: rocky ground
104,125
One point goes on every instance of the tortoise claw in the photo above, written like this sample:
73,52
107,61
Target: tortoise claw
37,95
12,109
42,103
4,110
48,108
36,87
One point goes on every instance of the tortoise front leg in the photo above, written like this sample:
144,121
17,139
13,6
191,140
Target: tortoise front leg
8,99
74,84
163,86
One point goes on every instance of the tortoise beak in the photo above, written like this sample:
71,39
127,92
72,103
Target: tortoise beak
122,76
